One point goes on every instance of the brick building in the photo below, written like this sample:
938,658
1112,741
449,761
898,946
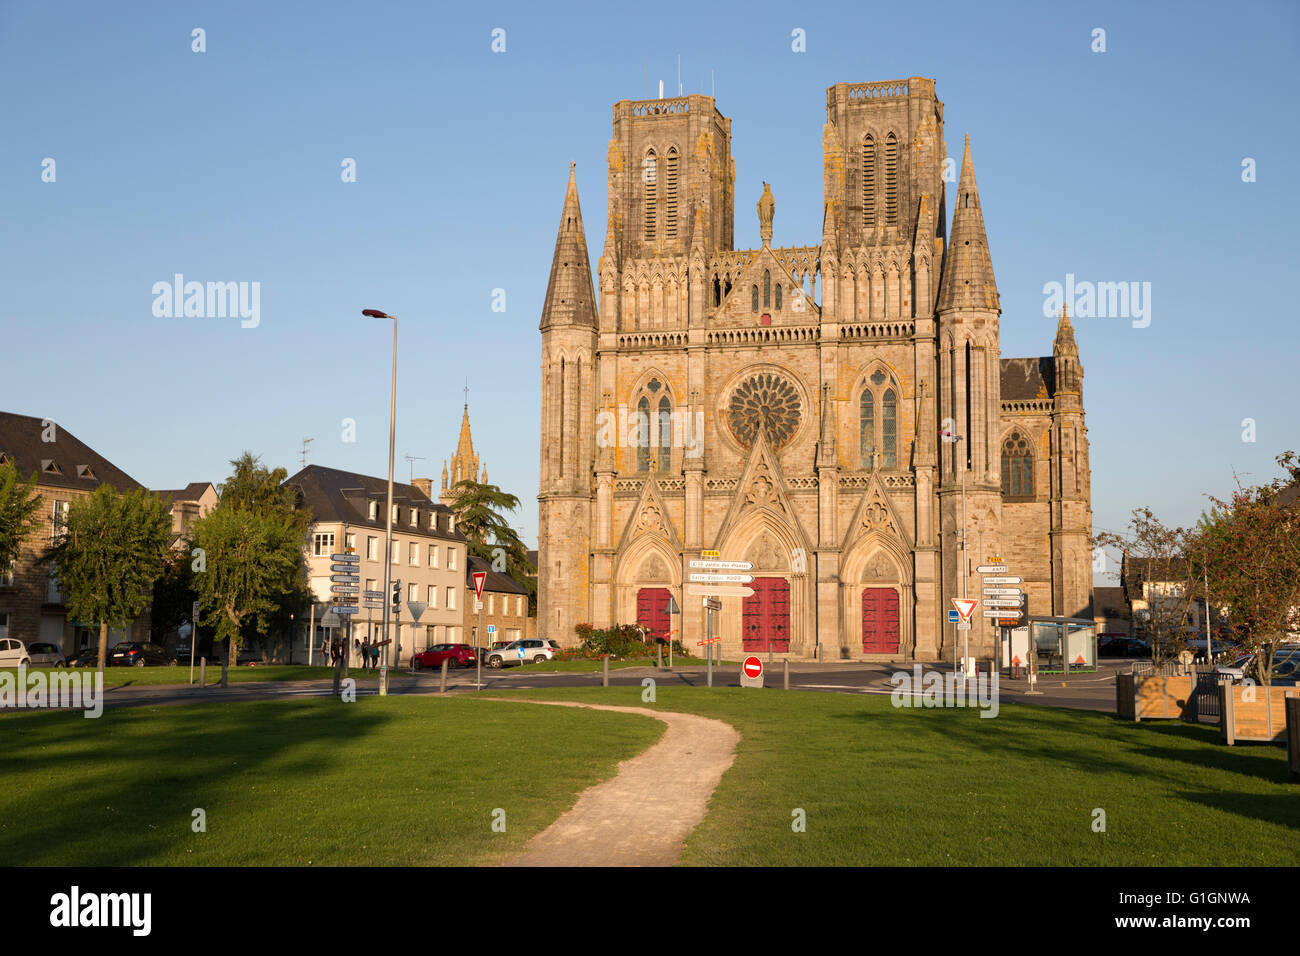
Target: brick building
836,414
67,469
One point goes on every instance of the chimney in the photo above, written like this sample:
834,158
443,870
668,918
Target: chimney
425,485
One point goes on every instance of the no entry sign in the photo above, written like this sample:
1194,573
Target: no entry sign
753,667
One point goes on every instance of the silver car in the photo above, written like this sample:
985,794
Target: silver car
1286,666
46,655
519,652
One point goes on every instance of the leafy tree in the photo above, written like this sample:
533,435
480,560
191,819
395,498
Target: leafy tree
1250,547
1156,562
19,503
249,596
478,509
174,594
108,556
250,563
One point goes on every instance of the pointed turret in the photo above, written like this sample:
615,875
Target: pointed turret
967,281
1065,344
570,295
1065,358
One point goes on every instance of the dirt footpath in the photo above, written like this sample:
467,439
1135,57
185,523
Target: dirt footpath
642,816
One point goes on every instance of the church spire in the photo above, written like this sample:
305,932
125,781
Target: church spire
967,281
570,295
1065,344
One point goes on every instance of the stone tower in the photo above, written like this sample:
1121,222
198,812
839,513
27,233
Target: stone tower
969,405
1071,493
463,465
568,329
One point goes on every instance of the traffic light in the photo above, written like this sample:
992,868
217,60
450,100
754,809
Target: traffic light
397,595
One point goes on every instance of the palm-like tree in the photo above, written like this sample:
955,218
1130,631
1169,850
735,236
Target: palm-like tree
479,516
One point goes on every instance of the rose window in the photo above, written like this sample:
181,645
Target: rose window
765,399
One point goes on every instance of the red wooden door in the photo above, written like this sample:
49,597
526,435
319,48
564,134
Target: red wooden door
652,611
765,616
879,621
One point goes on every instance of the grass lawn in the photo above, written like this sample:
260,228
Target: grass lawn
383,781
886,786
151,676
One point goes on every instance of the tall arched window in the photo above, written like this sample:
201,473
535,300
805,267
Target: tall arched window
889,429
650,177
755,298
1017,467
878,422
778,297
643,434
670,193
767,290
869,183
891,180
867,426
665,433
717,291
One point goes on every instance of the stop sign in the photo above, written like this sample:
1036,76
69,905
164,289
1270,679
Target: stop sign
753,667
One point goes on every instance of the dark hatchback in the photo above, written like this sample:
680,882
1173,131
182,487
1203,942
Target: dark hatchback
138,654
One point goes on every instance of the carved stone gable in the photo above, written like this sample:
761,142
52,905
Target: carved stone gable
651,521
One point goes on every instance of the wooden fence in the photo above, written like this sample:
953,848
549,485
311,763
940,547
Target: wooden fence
1253,712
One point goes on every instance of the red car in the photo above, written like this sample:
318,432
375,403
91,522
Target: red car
456,655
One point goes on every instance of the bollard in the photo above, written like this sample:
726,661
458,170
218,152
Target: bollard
442,684
819,653
225,666
786,662
605,679
660,650
203,672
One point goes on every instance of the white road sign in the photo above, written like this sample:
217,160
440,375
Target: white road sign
1007,613
720,578
712,565
1004,592
992,569
1000,579
720,590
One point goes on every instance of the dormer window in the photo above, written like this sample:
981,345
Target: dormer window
451,522
374,511
415,517
50,467
4,459
85,471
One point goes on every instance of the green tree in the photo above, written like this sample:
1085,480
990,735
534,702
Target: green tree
252,572
1249,545
479,518
108,556
19,503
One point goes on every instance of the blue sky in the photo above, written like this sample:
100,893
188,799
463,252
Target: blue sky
225,166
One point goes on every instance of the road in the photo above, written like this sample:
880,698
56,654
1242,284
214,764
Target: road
1088,691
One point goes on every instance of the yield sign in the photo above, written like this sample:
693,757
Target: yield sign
965,607
480,578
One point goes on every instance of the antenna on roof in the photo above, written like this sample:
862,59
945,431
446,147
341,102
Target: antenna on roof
305,443
412,459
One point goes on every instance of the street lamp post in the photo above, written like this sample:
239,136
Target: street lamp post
388,535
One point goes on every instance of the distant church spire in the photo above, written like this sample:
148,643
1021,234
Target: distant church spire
570,295
464,465
967,281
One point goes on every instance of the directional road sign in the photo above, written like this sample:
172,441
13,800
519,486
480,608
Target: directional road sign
344,568
1004,612
992,569
347,558
345,609
373,595
711,565
377,605
707,578
1002,579
1004,592
344,588
344,578
713,604
1002,602
720,590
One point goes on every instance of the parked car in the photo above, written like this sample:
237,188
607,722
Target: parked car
45,655
1286,666
86,657
456,655
533,650
1119,646
13,653
139,654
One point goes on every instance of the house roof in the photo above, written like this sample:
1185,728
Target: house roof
1028,378
191,492
65,462
336,495
496,581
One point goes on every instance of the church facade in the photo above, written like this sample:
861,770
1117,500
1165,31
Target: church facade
838,415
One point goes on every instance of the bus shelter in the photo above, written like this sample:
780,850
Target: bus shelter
1062,644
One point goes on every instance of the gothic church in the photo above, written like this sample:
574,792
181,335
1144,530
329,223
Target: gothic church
839,414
